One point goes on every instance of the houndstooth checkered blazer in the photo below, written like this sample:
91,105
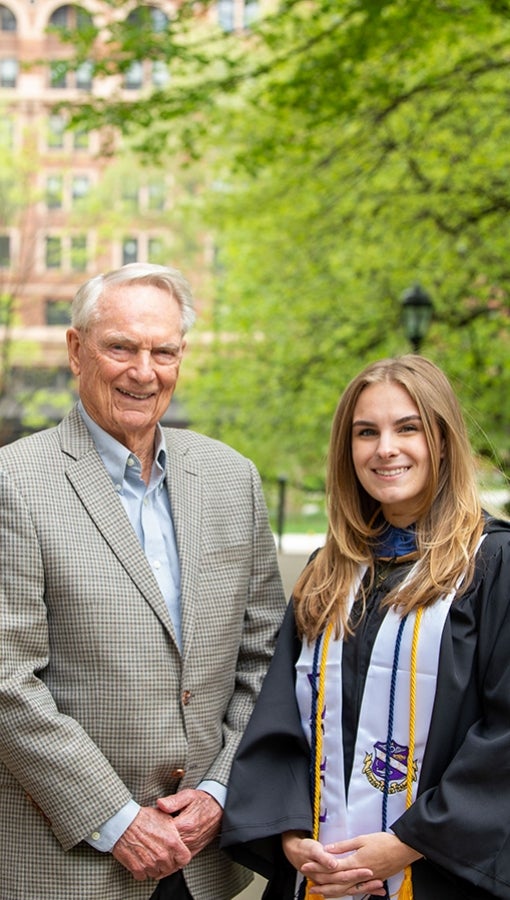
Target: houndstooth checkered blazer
96,703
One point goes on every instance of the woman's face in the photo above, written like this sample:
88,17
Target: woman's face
390,452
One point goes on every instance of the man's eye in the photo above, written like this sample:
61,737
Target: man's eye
118,350
166,355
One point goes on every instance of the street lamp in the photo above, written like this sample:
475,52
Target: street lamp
417,311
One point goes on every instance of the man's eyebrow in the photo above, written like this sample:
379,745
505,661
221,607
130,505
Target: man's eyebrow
118,338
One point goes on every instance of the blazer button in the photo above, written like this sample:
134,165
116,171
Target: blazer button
186,697
177,773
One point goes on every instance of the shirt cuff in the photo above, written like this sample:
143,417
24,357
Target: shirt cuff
215,789
106,836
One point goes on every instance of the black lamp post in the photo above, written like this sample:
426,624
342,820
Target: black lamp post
417,311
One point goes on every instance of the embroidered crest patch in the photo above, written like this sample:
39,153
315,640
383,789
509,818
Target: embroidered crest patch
374,766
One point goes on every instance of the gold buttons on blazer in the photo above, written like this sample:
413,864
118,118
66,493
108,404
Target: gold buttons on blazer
186,697
177,773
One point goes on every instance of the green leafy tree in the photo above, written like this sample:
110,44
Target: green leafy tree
349,149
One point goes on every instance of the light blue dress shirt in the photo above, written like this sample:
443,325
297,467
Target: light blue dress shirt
148,509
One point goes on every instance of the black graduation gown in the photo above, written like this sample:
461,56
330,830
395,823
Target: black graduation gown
460,820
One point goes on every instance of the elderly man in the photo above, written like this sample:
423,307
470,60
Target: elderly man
140,601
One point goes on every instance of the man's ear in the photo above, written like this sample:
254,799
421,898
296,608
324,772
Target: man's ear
73,339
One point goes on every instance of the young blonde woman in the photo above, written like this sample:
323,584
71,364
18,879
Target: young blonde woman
377,760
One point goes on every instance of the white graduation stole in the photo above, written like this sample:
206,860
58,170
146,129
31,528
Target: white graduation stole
362,813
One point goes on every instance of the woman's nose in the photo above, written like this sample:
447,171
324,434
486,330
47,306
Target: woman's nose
387,446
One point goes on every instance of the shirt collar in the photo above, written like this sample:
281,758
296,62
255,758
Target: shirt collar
114,454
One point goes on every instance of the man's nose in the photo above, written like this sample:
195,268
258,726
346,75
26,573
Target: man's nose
143,366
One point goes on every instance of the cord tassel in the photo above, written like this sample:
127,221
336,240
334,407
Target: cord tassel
406,888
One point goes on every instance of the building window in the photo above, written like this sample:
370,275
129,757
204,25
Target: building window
59,18
129,250
53,253
154,250
133,79
79,253
71,17
8,73
54,191
58,312
5,251
55,132
160,73
226,19
159,19
156,195
80,139
80,187
58,73
7,19
130,199
146,19
149,18
250,12
83,76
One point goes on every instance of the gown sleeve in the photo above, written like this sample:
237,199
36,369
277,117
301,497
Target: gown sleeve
461,819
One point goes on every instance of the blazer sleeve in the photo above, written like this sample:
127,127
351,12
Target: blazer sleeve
268,789
49,754
264,607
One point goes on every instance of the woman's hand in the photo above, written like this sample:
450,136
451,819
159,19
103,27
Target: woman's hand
324,870
381,854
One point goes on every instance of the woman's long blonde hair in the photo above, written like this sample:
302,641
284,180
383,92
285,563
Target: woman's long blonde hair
448,528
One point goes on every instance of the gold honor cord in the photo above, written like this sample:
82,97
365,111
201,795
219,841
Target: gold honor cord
406,888
318,749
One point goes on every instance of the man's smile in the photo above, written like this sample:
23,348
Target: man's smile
135,396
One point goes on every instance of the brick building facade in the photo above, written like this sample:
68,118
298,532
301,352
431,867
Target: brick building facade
53,178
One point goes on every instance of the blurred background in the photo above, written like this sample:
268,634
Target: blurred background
332,177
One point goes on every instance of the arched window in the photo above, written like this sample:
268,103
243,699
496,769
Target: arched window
70,17
7,19
64,21
149,18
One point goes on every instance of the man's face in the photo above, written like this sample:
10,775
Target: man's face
128,361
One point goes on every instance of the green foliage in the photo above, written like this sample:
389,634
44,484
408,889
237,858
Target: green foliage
349,148
44,407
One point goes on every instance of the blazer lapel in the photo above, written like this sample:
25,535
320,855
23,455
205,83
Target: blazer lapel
184,484
95,490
